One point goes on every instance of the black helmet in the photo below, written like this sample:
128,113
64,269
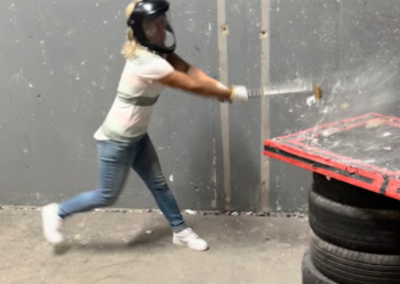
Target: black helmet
151,27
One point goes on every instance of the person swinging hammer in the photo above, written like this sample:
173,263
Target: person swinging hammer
122,139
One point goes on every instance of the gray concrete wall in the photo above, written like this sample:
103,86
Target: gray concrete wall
60,65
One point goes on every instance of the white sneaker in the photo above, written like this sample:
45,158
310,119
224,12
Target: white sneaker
190,239
52,224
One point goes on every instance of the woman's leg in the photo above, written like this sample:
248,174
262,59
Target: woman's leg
147,166
114,163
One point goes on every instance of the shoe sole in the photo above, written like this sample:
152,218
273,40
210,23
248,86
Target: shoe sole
182,244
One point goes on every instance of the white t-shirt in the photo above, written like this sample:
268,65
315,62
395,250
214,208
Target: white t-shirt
138,91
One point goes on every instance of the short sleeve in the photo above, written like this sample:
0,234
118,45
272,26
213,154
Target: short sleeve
153,67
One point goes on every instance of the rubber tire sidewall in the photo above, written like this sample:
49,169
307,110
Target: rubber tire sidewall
310,274
353,267
364,230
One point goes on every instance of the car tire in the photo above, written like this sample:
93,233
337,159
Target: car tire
352,267
360,229
310,274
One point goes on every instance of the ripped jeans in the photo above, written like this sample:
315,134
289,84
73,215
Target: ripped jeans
115,161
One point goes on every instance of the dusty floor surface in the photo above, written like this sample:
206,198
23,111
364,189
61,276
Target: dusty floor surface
116,248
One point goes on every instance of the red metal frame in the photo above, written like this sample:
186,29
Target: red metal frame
292,149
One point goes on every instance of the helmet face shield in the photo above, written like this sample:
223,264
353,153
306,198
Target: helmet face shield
158,31
151,26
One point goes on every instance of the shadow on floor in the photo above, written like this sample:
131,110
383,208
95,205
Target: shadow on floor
151,241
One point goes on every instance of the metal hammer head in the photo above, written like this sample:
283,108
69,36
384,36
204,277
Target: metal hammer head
318,93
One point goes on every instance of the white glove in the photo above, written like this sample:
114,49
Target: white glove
239,94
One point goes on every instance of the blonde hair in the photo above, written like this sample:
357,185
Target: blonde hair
131,46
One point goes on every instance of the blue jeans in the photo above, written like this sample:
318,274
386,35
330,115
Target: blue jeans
115,161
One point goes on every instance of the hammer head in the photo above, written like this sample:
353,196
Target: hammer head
318,93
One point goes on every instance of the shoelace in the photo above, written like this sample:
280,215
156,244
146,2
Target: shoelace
193,236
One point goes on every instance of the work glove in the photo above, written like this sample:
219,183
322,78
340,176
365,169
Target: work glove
239,94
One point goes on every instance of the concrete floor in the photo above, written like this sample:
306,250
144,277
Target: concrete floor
118,248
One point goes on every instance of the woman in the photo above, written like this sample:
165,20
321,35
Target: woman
122,139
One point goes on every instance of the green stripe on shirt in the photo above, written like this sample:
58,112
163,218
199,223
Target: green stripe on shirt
137,101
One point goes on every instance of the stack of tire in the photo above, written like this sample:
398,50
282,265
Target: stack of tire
355,236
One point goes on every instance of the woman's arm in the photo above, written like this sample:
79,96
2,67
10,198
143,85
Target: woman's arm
206,88
181,65
192,79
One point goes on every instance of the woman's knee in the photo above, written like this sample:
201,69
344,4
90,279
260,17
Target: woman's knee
106,197
159,183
